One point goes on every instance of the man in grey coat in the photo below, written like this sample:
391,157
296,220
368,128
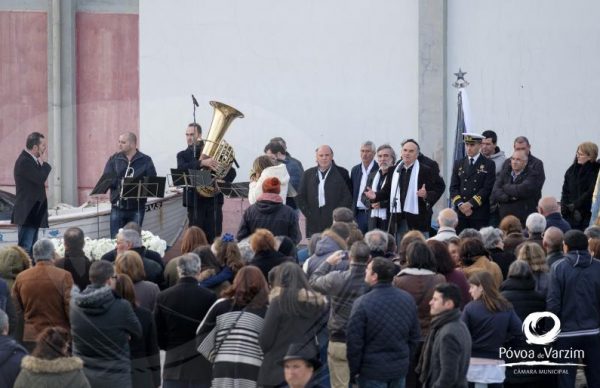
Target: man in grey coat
445,357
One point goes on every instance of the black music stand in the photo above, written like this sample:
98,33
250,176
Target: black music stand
180,178
145,187
201,178
101,187
234,190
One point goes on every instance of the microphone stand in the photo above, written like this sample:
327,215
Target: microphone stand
194,145
395,202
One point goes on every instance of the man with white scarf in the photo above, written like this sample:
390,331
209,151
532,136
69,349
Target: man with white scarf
323,188
407,191
379,211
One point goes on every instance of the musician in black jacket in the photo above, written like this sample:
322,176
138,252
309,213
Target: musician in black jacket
31,206
203,212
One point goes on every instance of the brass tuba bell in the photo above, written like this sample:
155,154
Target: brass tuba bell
217,148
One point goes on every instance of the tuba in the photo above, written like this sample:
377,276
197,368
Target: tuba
217,148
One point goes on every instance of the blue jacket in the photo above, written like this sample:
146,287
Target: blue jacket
142,166
556,219
382,332
574,293
11,354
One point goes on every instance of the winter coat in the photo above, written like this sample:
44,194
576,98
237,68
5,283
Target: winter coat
11,354
280,172
276,217
78,265
281,329
490,330
342,287
58,373
512,241
518,196
144,352
482,263
31,204
13,261
383,330
556,219
503,259
574,292
101,324
145,294
179,311
267,260
325,247
521,294
458,277
577,191
337,193
42,294
420,284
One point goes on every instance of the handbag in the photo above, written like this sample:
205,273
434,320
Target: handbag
206,345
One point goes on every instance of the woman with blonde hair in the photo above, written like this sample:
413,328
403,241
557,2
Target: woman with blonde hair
130,263
263,168
229,259
535,256
578,186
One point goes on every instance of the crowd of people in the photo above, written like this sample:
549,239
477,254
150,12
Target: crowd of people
377,298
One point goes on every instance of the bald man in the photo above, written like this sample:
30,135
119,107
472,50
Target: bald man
553,245
447,219
131,163
322,189
549,208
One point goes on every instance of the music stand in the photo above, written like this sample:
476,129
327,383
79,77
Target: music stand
101,187
234,190
180,178
143,188
199,178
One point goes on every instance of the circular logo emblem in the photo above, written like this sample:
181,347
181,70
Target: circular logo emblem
530,324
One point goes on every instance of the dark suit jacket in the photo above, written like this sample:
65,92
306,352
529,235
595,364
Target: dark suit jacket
355,177
337,193
31,205
473,185
438,184
178,313
536,167
519,197
415,221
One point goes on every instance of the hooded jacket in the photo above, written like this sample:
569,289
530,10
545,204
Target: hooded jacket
11,354
328,244
60,372
498,158
574,293
101,325
277,217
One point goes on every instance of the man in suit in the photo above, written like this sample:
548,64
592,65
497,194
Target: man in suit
31,205
359,176
472,182
179,311
380,211
322,189
408,190
203,212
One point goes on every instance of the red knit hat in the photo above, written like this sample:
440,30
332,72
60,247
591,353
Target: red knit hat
271,185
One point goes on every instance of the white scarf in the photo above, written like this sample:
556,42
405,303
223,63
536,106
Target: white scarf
363,183
378,213
412,201
322,186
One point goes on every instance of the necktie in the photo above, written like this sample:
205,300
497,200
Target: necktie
472,162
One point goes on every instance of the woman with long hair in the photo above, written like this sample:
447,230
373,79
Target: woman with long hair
447,267
229,332
211,271
578,186
262,168
475,258
492,322
193,238
143,351
50,364
535,256
130,263
296,314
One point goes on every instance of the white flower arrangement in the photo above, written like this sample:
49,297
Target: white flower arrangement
95,249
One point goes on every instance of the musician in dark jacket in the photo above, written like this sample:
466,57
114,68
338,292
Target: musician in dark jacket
127,163
408,190
203,212
472,182
318,204
31,206
516,188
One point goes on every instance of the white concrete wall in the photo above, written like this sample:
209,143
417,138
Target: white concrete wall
533,68
334,71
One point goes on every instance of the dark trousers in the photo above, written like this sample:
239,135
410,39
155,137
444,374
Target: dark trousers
208,216
27,236
120,217
466,222
591,348
362,219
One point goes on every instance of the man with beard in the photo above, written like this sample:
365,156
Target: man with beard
379,216
203,212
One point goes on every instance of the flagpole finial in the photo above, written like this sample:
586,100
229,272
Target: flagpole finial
460,82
